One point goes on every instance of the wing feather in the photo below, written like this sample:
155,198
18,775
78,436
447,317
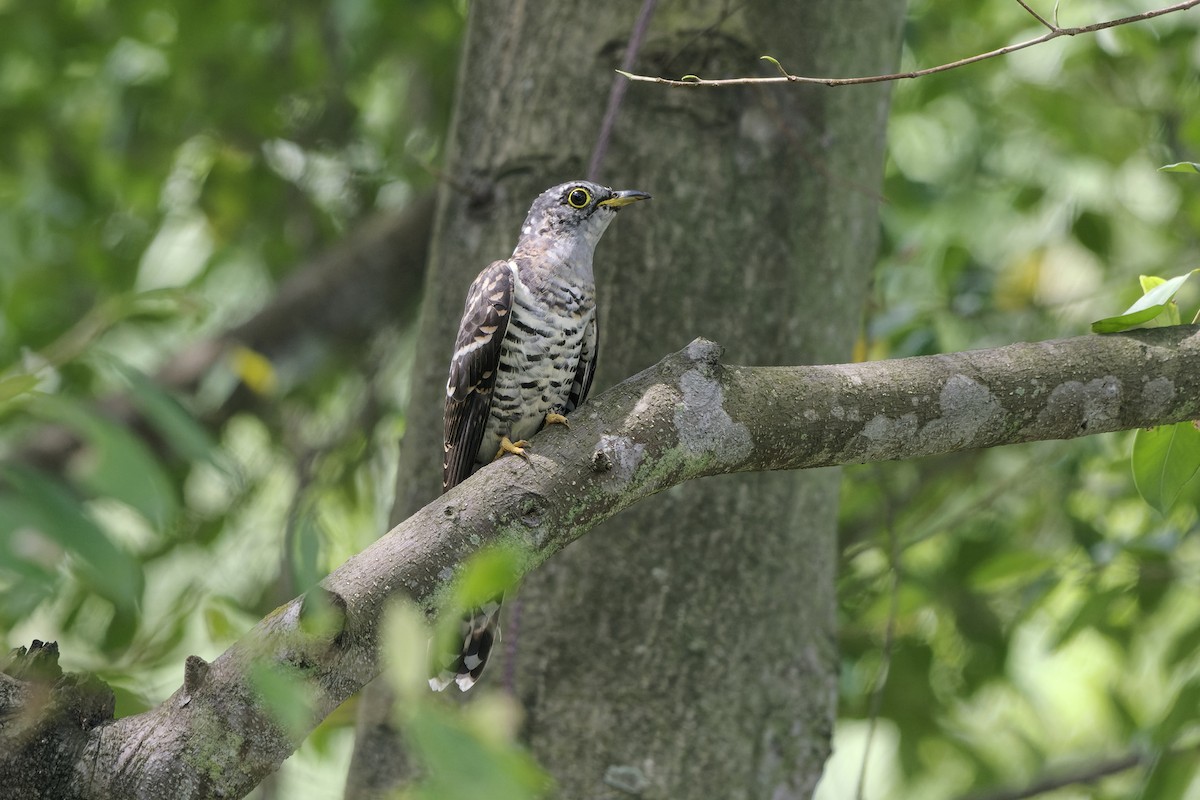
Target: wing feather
473,369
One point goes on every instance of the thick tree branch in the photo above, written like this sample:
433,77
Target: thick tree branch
687,417
1054,32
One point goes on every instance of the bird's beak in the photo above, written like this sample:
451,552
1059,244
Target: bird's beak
624,198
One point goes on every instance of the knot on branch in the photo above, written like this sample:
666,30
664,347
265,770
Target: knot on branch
36,664
619,453
531,511
195,670
52,699
707,355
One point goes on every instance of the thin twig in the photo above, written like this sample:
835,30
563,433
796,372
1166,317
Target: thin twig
617,92
1088,774
1037,16
1054,33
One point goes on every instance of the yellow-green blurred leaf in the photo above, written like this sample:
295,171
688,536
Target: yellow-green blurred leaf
16,385
286,694
488,574
406,643
255,370
1014,566
461,766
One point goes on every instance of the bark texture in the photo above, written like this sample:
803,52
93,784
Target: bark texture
760,235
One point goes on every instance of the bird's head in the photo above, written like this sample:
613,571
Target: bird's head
575,214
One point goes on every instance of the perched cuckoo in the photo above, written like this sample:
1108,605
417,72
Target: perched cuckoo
524,357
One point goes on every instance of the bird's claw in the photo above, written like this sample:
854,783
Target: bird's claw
557,419
509,446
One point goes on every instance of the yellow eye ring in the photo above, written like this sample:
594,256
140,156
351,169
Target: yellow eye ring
579,197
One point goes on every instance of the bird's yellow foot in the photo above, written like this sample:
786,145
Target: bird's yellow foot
509,446
557,419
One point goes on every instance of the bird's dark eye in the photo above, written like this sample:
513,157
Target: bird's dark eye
579,197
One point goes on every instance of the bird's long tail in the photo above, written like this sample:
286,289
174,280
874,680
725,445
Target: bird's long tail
480,629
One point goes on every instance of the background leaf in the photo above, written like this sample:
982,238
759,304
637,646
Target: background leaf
1165,459
187,437
462,765
14,386
116,463
36,506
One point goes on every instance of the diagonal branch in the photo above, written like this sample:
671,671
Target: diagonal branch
617,93
1054,33
687,417
1085,774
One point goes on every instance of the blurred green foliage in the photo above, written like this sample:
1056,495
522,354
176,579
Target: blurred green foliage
150,143
164,166
465,751
1019,612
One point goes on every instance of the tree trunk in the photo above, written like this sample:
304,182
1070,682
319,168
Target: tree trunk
712,662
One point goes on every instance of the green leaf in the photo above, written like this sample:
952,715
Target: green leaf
16,385
183,433
460,764
118,464
287,695
152,304
1150,282
1093,613
1014,566
1123,714
217,623
406,644
119,632
307,536
1185,645
775,61
488,574
1169,776
1181,166
1164,459
1181,713
1149,306
39,506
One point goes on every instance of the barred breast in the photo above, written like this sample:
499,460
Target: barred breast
539,356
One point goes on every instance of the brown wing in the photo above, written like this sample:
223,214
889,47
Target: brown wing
587,366
473,370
